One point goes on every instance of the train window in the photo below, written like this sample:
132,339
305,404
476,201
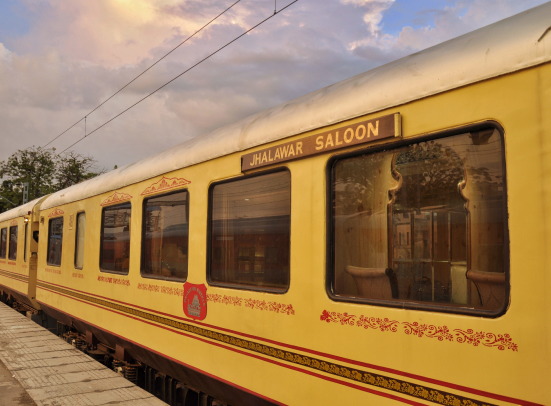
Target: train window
250,222
55,241
165,236
25,243
79,240
12,249
115,238
423,224
3,242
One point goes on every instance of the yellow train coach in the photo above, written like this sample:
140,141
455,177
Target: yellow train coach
380,241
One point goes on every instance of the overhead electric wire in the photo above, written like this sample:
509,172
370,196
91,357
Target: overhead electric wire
159,60
173,79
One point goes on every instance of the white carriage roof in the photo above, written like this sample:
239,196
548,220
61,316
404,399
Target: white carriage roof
504,47
19,211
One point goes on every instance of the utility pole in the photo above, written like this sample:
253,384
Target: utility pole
25,192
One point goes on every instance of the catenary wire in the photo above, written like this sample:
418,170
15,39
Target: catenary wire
159,60
172,80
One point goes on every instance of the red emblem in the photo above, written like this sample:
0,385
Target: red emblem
195,301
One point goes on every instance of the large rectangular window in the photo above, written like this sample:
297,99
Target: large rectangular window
3,242
165,236
250,232
115,238
12,250
79,240
55,241
423,224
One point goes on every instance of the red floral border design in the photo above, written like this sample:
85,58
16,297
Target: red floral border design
252,303
115,198
441,333
56,212
115,281
161,289
165,184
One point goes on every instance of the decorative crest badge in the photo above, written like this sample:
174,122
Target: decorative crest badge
165,184
115,198
195,301
13,223
56,212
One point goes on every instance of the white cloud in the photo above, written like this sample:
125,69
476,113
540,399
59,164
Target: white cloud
373,12
5,54
78,53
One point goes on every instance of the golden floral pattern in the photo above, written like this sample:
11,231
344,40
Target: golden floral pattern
19,277
252,303
115,198
356,375
441,333
56,212
165,184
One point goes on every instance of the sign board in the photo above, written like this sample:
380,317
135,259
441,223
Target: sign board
354,134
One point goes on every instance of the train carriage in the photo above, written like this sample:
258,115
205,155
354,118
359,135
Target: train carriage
380,241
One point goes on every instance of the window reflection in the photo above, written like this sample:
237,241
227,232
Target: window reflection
3,242
79,243
250,231
166,236
12,250
115,238
55,241
423,223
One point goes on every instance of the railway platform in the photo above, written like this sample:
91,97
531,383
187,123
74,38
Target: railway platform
53,372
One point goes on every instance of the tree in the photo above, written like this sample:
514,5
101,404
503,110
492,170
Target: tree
45,172
73,168
34,165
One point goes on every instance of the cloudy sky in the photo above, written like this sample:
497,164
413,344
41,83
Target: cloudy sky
59,59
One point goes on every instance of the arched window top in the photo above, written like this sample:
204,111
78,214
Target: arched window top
423,225
431,175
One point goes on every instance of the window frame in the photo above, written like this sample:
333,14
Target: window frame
235,286
48,241
7,238
78,213
26,231
330,231
142,244
17,244
128,202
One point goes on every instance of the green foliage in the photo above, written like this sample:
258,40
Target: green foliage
45,172
73,168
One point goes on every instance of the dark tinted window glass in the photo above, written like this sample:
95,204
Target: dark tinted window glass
12,250
55,241
25,244
423,223
250,231
115,238
166,236
79,242
3,242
